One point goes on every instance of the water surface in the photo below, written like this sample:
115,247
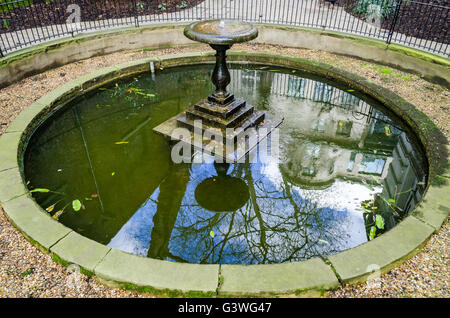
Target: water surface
343,161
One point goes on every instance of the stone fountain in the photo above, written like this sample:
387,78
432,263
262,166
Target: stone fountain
221,112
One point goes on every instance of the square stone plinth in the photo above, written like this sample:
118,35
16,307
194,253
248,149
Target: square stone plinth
241,146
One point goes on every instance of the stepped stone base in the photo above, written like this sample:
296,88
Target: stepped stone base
221,127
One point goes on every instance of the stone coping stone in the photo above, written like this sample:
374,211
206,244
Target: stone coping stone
136,271
383,253
15,186
79,250
33,222
116,267
9,147
29,114
435,206
312,274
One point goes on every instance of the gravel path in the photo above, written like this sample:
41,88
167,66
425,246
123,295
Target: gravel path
27,272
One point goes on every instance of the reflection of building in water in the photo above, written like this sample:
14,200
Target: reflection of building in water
405,181
334,134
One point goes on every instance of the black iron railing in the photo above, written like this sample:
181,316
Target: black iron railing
422,24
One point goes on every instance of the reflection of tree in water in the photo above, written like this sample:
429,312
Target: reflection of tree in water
276,224
171,193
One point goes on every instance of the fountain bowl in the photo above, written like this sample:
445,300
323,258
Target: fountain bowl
221,32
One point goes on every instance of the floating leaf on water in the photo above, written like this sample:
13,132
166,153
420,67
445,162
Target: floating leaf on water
121,142
293,71
76,205
57,214
350,90
211,234
40,190
112,174
379,222
88,199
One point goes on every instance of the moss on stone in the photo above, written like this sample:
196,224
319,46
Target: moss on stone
83,270
171,293
429,57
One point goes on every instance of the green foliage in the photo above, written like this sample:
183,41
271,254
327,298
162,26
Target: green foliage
374,220
182,5
162,6
386,70
8,5
27,272
372,232
379,222
387,7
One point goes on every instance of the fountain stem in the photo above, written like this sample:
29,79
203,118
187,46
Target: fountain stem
221,76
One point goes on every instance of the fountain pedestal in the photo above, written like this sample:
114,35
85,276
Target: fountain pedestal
221,113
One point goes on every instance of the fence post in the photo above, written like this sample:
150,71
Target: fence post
136,18
394,21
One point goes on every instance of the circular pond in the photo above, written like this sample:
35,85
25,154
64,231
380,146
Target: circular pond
347,170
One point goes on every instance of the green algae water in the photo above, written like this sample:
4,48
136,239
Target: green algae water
348,170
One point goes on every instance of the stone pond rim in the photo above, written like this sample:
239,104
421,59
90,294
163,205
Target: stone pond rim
116,268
